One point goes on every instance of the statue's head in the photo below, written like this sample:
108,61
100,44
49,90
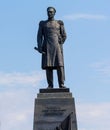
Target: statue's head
51,12
51,8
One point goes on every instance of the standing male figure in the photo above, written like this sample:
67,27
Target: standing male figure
50,38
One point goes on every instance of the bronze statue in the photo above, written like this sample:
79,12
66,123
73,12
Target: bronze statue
50,38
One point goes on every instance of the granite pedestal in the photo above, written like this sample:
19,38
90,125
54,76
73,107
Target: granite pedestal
52,106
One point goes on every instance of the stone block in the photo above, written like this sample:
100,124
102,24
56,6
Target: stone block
52,106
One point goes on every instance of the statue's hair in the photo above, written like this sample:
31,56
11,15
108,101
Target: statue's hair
50,8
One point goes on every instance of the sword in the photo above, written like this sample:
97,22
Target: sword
38,50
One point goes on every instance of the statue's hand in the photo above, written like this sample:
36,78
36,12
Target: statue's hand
38,49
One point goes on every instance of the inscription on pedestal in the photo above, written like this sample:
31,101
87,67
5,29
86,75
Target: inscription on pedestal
53,111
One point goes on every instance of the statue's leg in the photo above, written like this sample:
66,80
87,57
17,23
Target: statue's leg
61,77
49,75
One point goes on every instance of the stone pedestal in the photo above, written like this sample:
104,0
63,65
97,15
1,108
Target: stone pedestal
52,106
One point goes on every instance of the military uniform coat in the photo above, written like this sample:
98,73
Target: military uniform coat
51,35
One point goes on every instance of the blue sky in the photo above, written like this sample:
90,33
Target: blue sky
86,55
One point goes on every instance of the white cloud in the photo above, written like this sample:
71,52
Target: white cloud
85,16
11,79
17,99
17,105
103,67
94,116
17,109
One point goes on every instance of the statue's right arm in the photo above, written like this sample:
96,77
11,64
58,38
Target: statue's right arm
40,37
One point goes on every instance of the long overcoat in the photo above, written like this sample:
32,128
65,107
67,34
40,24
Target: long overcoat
50,38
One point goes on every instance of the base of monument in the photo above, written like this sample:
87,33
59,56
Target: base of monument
54,90
52,106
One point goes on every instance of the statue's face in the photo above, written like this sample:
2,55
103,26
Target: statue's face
51,13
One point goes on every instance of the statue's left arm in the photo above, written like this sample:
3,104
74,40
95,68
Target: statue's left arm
62,31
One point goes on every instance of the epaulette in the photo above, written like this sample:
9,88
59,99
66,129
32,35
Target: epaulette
41,22
60,22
